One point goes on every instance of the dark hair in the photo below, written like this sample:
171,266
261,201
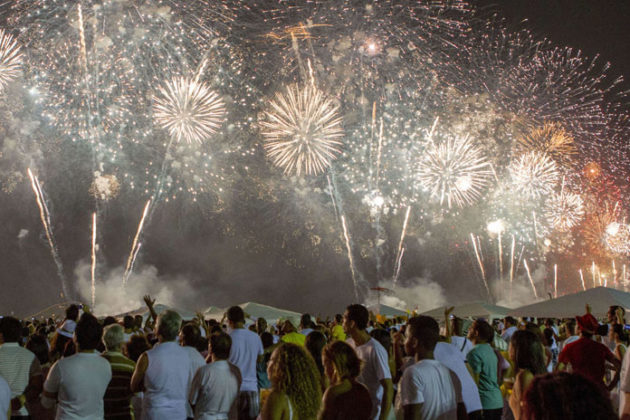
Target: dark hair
88,332
190,335
562,395
137,345
128,322
315,343
267,339
510,320
528,352
109,321
621,332
305,321
424,329
221,345
484,330
344,358
137,320
338,318
11,329
236,314
37,344
359,314
72,312
383,337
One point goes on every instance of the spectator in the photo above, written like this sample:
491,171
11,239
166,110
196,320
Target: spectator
429,390
315,343
65,333
484,365
565,396
244,353
296,391
337,330
527,355
136,346
129,326
306,325
5,399
19,367
39,346
510,328
345,398
458,338
261,364
117,400
79,382
588,357
214,390
164,373
290,335
375,373
190,336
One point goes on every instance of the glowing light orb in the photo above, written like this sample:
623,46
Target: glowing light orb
189,110
496,227
302,130
454,171
592,170
10,59
564,210
534,175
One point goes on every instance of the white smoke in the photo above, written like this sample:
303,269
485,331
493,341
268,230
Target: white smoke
521,292
419,293
112,299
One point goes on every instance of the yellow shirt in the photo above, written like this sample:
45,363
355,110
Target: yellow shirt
294,337
338,333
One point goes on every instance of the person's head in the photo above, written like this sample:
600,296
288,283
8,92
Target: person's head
481,332
72,312
421,336
562,395
287,327
612,313
11,329
617,333
113,337
587,325
168,324
128,322
219,346
190,335
261,325
292,370
355,318
267,339
37,344
509,322
137,345
305,321
340,362
137,322
526,352
338,319
315,342
235,316
88,332
570,327
382,336
109,320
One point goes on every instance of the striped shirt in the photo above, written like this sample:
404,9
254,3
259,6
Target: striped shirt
117,399
17,366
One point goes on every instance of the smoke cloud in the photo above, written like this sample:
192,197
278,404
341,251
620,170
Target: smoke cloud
418,293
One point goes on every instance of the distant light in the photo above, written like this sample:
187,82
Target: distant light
496,227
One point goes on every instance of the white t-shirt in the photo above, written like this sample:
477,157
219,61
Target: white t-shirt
507,334
213,390
375,369
196,361
80,381
452,358
430,383
463,344
17,366
246,347
5,398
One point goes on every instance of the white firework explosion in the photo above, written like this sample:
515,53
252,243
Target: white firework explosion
302,130
10,59
534,175
455,171
617,237
189,110
564,210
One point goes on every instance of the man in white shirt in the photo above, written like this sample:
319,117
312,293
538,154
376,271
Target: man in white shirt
215,386
429,390
510,328
245,350
375,373
19,367
79,382
5,399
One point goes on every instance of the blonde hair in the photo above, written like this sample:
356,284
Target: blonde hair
343,358
295,373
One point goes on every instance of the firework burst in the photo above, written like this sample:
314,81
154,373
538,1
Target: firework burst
564,210
10,59
455,171
551,139
534,175
189,110
617,237
302,130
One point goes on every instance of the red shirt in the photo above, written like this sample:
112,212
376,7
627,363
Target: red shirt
588,358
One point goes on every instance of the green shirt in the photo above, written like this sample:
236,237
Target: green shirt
484,362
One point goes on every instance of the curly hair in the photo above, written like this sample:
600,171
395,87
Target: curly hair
344,359
565,396
293,371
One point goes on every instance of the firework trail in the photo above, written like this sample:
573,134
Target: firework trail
135,246
400,246
346,237
582,279
512,265
593,273
44,215
529,276
483,271
614,273
555,280
93,270
500,245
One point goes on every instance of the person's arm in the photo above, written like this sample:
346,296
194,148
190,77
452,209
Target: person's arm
388,396
204,324
413,412
150,302
51,387
137,380
616,366
473,363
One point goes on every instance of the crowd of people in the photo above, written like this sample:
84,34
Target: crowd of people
354,366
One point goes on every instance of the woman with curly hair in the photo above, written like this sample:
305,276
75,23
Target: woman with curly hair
526,353
565,396
295,385
345,398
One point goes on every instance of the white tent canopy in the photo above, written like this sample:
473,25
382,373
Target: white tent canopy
568,306
471,310
255,310
388,311
159,308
